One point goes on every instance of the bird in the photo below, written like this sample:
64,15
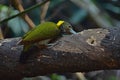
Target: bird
43,34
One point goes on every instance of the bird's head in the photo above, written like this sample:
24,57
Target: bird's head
65,27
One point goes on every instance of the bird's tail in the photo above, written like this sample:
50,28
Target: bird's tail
19,42
24,54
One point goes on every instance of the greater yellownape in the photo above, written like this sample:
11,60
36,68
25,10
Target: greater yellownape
45,32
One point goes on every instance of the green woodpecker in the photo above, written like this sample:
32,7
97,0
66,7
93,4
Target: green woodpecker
45,32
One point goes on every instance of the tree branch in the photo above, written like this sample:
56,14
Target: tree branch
43,11
18,6
86,51
25,11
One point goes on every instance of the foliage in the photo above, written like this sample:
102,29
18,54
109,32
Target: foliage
67,10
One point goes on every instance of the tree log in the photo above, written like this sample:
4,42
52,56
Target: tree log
89,50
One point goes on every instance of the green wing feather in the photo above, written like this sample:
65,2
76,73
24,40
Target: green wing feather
43,31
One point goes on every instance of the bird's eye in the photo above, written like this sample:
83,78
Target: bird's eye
69,26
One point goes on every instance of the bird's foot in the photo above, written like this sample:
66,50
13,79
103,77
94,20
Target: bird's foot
51,45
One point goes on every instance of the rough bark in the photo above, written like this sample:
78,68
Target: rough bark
89,50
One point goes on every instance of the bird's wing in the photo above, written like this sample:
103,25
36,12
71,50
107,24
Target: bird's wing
26,34
41,32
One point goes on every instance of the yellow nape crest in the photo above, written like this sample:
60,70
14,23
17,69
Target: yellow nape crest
60,23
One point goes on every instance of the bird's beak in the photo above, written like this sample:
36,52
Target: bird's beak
72,31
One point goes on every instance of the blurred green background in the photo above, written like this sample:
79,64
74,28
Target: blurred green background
82,14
